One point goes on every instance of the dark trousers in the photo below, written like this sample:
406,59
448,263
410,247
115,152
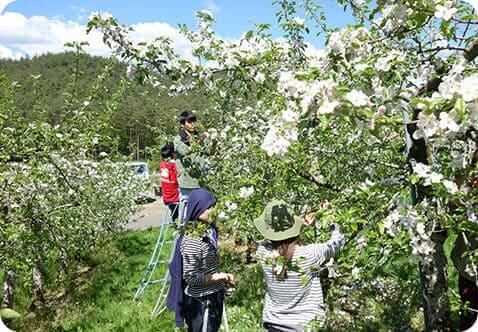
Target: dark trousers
195,307
174,208
469,293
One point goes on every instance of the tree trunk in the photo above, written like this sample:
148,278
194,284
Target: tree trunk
64,260
433,274
8,288
434,282
38,280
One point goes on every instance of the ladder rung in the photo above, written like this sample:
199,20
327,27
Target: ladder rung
152,282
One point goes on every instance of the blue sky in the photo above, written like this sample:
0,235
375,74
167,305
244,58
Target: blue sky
53,21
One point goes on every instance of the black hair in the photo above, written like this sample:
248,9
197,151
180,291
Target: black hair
167,150
187,116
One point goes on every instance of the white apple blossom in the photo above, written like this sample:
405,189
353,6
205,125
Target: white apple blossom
391,222
361,66
446,11
469,88
357,98
471,212
222,216
393,16
450,186
448,121
231,206
362,242
428,125
101,15
275,142
298,21
259,78
327,106
245,192
289,116
433,177
383,64
335,43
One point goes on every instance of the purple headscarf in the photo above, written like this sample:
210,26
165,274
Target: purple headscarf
199,201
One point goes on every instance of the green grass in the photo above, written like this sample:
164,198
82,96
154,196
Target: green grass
99,295
102,298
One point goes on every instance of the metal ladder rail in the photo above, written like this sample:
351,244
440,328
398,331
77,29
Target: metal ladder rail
160,306
157,252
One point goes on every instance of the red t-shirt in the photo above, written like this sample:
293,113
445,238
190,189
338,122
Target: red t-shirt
169,181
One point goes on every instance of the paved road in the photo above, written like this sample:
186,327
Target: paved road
150,215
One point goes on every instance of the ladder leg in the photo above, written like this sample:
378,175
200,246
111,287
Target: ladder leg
205,320
155,257
224,317
160,304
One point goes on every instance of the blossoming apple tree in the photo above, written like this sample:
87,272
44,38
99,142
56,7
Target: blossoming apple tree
60,191
378,131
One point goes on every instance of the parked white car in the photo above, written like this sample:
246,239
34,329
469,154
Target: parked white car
141,171
139,168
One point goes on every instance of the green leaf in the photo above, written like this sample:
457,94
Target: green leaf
414,178
8,313
460,107
420,18
324,120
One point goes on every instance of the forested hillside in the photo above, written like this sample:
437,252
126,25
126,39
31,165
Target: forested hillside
146,114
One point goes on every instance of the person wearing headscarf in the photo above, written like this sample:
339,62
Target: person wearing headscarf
201,292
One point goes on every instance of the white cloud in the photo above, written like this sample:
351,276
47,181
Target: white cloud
4,4
40,34
211,6
5,52
150,31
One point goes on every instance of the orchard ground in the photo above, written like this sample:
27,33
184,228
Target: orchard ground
99,296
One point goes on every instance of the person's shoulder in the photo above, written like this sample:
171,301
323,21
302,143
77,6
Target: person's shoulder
264,245
177,139
264,250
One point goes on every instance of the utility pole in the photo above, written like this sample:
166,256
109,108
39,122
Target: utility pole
137,141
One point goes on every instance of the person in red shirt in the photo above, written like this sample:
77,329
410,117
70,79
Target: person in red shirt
168,175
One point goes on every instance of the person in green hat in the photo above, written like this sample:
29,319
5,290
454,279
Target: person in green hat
293,291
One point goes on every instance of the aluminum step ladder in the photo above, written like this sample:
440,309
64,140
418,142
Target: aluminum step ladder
161,242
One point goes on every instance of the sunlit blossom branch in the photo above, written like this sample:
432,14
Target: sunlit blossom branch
432,85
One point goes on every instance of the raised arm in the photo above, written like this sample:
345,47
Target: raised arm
327,250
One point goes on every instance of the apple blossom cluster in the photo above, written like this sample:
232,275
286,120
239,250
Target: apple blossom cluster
453,124
393,16
431,177
420,235
351,42
445,10
384,64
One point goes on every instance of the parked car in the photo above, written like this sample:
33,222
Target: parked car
141,171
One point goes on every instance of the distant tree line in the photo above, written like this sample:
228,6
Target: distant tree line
145,118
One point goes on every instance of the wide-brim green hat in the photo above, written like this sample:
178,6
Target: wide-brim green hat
278,222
